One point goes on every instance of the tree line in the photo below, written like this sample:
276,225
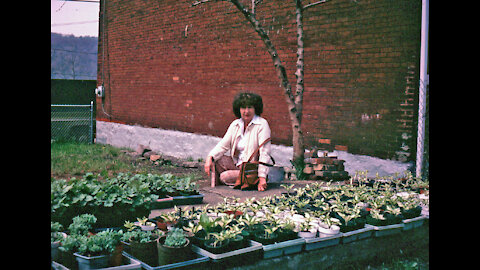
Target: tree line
73,57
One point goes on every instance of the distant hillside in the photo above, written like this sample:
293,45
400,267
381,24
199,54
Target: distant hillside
73,57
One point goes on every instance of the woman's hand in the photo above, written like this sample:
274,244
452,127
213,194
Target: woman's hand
262,184
208,165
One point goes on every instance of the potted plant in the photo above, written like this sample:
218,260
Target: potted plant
82,224
307,230
269,235
208,226
393,215
286,231
248,222
144,224
234,233
308,227
410,208
233,207
173,247
56,236
143,244
95,251
193,233
288,188
68,246
328,226
376,218
166,220
217,242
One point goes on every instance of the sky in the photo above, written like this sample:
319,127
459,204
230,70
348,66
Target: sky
74,17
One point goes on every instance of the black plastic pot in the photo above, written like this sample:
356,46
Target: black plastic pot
285,235
412,213
199,238
260,237
169,255
237,243
375,222
145,252
353,225
221,247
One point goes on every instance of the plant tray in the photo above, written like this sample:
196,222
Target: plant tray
200,260
187,200
386,230
252,252
162,203
412,223
282,248
357,235
131,264
321,242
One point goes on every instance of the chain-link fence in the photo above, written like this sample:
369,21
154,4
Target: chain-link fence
72,122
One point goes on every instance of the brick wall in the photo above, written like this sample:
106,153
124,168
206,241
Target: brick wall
174,66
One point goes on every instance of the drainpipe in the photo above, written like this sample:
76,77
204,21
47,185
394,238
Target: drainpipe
422,89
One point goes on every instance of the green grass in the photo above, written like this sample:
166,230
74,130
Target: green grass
73,159
79,158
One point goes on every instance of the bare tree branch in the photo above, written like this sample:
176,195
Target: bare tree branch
196,3
314,4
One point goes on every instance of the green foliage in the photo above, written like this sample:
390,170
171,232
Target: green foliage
208,223
71,243
299,164
175,238
55,231
82,224
140,236
101,243
125,195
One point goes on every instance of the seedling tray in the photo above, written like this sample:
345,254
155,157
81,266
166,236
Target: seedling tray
187,200
162,203
131,264
321,242
250,253
357,235
412,223
282,248
198,262
380,231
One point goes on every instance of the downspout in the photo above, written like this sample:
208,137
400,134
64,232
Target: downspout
422,89
103,60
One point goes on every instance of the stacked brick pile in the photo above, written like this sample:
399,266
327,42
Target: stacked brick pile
322,165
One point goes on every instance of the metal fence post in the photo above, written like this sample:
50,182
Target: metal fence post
91,121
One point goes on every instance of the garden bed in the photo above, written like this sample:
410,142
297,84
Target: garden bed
333,214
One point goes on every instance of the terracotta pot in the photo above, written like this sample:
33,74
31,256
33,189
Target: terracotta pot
235,214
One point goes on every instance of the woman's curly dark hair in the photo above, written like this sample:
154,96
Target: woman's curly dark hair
246,99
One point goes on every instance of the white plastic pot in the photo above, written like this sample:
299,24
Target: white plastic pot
326,232
307,235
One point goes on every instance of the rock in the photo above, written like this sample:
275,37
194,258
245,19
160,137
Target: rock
142,149
148,154
155,157
190,164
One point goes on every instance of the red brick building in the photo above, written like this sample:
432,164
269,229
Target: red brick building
167,64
